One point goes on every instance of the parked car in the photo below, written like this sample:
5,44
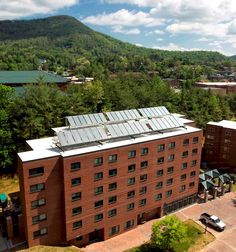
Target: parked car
212,220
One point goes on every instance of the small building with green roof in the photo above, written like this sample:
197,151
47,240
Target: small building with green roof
17,79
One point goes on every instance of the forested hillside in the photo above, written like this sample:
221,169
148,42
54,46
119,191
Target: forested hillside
60,43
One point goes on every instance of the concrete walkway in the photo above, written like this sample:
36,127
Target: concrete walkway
224,207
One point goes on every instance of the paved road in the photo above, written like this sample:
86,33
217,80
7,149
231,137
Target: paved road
224,207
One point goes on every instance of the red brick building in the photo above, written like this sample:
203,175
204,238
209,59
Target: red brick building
220,145
104,174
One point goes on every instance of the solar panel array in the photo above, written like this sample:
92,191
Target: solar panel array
76,136
116,116
86,120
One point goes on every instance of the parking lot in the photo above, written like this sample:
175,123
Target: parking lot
224,207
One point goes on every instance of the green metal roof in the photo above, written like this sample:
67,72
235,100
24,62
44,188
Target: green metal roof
27,77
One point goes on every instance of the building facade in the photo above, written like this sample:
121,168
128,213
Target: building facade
77,189
220,145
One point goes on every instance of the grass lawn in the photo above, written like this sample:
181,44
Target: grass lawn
196,240
52,249
9,185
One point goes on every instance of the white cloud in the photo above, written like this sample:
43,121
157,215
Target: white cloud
13,9
160,39
123,17
159,32
140,3
203,39
139,45
175,47
120,29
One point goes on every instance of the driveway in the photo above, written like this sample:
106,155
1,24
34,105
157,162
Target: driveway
224,207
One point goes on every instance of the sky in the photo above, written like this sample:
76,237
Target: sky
161,24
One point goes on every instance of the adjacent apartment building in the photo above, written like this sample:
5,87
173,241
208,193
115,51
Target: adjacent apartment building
220,145
104,174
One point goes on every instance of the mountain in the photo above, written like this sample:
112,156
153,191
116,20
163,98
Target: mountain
62,42
233,57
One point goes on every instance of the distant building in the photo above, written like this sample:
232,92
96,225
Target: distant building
80,80
222,88
220,145
106,173
18,79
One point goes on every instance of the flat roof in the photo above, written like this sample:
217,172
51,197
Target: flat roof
216,83
224,123
46,148
29,77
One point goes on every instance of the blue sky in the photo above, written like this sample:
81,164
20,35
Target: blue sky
161,24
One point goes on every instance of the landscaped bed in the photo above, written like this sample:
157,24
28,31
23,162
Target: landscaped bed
52,249
9,184
196,239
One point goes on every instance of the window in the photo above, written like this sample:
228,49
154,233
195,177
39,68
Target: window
98,161
98,204
112,199
37,187
114,230
183,177
170,169
112,186
79,238
192,174
75,166
171,145
40,232
131,168
159,185
142,202
185,154
39,218
129,224
169,193
76,196
77,224
227,141
186,142
182,188
36,171
144,164
191,184
38,203
171,158
159,173
194,163
98,217
195,140
161,147
144,151
143,177
194,151
132,154
160,160
112,158
130,206
98,176
98,190
130,194
131,181
158,196
210,137
75,181
112,213
77,210
184,165
112,172
169,181
143,190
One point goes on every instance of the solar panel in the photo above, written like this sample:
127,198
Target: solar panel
86,120
154,112
165,123
123,115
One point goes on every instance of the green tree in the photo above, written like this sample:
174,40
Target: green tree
168,231
7,144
